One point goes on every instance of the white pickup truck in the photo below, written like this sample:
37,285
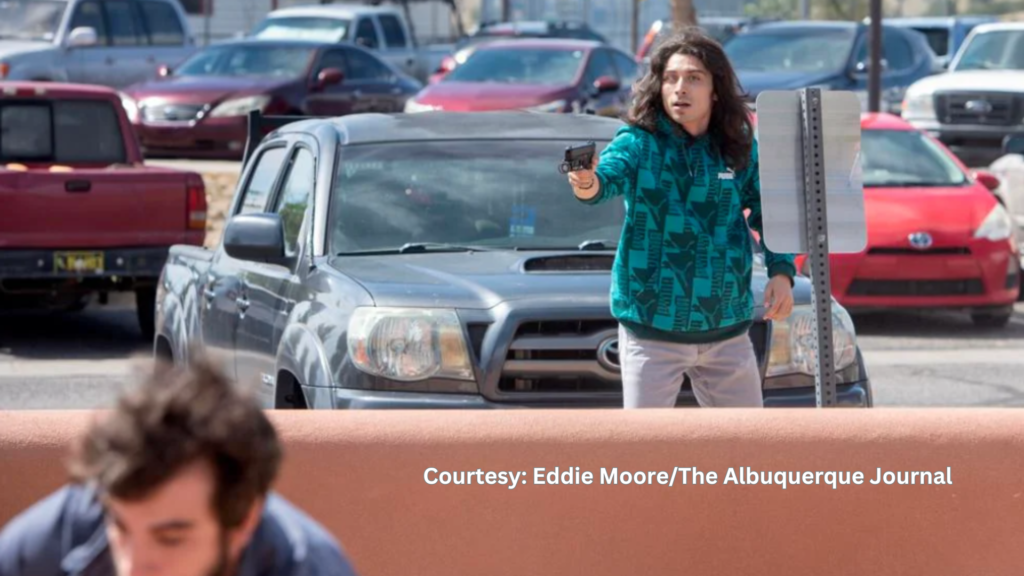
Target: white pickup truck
112,43
382,29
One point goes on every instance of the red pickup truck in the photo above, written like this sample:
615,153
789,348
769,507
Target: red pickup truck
79,212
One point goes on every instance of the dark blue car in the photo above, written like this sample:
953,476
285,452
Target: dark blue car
828,55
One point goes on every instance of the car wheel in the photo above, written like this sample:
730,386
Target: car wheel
991,320
145,310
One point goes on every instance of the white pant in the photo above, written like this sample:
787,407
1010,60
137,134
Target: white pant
723,374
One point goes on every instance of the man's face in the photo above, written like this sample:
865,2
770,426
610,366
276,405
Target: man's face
173,531
687,90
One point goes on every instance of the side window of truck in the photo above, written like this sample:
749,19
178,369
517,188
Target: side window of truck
163,23
366,34
294,197
125,29
394,33
90,14
261,183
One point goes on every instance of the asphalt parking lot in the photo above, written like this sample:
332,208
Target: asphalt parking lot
81,360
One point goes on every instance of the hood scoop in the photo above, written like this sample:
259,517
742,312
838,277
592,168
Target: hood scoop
570,263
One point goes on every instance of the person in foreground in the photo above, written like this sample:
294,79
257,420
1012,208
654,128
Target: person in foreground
686,165
176,482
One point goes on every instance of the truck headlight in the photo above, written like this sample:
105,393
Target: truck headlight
794,349
408,344
919,106
240,106
996,226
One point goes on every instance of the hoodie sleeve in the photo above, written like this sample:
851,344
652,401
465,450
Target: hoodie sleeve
617,168
776,263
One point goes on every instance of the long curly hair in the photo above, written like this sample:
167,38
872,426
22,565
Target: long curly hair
730,124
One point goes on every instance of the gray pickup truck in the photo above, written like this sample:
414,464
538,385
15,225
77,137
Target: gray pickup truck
112,43
433,260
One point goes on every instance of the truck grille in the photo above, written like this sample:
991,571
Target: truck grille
972,286
171,112
990,108
577,357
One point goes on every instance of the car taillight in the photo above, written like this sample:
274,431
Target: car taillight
195,191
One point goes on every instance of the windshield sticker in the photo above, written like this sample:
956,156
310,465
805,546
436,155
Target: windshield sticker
523,221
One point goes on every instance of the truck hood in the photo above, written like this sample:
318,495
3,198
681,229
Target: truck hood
9,48
205,89
973,81
482,280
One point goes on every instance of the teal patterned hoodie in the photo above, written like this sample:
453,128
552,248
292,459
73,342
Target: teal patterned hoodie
683,266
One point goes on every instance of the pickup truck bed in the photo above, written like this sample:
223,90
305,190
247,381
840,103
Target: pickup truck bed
78,221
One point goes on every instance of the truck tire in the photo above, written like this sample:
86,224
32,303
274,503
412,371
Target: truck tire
145,310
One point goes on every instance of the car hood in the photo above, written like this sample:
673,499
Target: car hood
973,81
950,215
204,88
482,280
753,82
10,48
480,96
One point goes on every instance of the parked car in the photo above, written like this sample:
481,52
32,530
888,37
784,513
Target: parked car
945,34
201,107
382,29
435,260
107,42
81,214
489,32
937,236
830,56
721,28
547,75
980,101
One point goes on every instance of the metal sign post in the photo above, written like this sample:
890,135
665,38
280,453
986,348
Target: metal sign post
809,143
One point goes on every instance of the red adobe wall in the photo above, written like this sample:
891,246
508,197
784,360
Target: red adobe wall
361,474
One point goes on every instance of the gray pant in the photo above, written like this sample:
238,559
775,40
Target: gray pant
723,374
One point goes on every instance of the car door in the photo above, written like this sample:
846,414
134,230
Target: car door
270,290
166,34
335,100
374,85
222,291
88,64
599,65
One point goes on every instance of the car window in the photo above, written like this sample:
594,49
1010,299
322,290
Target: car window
257,191
303,28
90,14
600,65
124,28
366,34
938,39
62,131
333,59
163,23
899,55
294,198
394,34
555,67
906,158
628,68
362,66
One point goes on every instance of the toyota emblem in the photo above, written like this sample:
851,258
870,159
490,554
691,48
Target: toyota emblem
608,353
920,240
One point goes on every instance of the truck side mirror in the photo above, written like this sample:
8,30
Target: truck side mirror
83,36
256,238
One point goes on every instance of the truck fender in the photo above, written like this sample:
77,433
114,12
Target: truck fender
302,354
171,328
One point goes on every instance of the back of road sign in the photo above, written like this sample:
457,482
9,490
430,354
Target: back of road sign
780,141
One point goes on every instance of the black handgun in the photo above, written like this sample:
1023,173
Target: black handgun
578,157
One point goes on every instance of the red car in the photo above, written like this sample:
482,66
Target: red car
937,235
545,75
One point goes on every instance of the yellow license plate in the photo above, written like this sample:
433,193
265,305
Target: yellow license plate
78,262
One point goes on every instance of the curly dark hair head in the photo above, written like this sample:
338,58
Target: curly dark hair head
730,124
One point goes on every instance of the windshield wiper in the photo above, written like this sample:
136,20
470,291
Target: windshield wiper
418,247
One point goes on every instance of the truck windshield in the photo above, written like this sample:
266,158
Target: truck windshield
495,194
60,132
906,158
797,50
248,60
30,19
1002,50
302,28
